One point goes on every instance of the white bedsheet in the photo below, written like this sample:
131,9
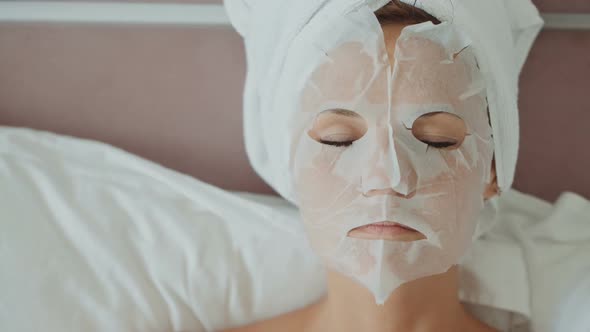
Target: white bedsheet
93,238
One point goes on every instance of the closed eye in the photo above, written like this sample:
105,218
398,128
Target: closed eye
436,144
440,145
440,130
336,143
338,127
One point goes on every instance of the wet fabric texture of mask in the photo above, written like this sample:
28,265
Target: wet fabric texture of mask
355,160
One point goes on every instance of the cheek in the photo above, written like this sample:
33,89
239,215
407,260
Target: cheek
470,189
326,204
321,190
438,201
453,197
317,186
326,201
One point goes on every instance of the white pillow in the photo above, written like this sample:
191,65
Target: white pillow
93,238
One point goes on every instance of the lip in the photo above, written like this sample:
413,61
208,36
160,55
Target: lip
386,230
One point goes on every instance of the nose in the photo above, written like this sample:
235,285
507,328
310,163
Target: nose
387,171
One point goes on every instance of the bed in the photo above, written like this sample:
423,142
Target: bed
142,123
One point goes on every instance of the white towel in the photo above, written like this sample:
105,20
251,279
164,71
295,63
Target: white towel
502,34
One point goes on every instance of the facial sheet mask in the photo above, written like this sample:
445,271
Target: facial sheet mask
388,174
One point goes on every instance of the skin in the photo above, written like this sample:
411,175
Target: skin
421,305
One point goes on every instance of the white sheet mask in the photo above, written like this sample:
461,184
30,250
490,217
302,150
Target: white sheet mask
388,174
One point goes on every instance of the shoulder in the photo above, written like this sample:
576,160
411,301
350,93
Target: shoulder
295,321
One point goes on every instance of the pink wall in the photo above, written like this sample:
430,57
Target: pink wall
555,116
173,94
571,6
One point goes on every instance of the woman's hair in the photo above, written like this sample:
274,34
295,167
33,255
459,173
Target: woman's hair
396,11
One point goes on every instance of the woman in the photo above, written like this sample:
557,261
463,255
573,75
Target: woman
388,152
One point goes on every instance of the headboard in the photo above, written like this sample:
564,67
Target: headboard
168,86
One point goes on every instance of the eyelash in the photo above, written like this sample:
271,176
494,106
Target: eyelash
440,145
337,144
436,145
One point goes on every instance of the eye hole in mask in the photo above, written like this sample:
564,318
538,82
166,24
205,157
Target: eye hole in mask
441,130
338,127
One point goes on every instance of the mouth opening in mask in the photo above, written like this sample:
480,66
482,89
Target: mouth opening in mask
386,230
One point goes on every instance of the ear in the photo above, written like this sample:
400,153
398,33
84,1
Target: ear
492,188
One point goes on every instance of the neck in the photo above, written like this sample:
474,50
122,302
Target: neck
426,304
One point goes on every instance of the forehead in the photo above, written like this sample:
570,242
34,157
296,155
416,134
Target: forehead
425,72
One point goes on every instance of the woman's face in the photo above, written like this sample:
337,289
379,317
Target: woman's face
394,155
